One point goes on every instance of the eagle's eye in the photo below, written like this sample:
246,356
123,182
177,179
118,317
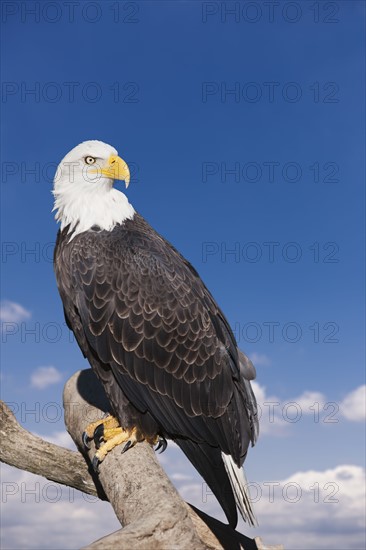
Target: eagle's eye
90,160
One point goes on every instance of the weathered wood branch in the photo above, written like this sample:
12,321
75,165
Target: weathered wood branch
143,498
23,450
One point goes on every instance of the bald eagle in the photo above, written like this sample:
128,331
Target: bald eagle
150,329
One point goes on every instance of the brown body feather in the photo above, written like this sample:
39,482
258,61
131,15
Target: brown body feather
160,345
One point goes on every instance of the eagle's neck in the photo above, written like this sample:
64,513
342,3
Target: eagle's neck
104,208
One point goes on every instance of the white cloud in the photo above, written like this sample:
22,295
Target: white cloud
259,391
270,412
11,312
260,359
308,400
180,477
44,377
276,415
353,406
40,514
314,509
310,509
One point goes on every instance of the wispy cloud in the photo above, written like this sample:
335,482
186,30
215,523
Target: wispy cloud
309,509
276,415
11,312
45,376
308,399
270,408
31,504
353,406
314,509
260,359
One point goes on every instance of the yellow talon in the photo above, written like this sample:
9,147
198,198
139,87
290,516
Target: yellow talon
108,430
109,421
114,437
108,434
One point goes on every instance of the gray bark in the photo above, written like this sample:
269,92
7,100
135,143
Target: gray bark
146,503
28,452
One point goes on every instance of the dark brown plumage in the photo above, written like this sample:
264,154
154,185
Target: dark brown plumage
160,345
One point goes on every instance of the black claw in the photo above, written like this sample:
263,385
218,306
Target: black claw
162,444
127,446
98,435
95,463
85,438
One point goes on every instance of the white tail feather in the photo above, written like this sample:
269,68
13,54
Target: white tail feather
239,485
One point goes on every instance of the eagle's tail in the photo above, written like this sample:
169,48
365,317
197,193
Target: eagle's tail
224,478
239,486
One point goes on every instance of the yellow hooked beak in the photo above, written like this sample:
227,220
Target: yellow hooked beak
115,169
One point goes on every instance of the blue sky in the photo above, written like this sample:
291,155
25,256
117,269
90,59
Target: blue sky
245,132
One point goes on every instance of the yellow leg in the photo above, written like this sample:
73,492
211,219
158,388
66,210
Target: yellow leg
108,422
114,437
108,430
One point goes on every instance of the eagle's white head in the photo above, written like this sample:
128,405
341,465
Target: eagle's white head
83,188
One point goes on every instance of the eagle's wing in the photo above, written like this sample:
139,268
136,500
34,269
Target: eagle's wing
146,313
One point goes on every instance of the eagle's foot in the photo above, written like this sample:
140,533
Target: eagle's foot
109,435
95,430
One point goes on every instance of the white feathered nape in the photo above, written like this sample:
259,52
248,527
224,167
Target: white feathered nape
85,197
239,486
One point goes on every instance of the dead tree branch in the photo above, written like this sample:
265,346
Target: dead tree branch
142,496
23,450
